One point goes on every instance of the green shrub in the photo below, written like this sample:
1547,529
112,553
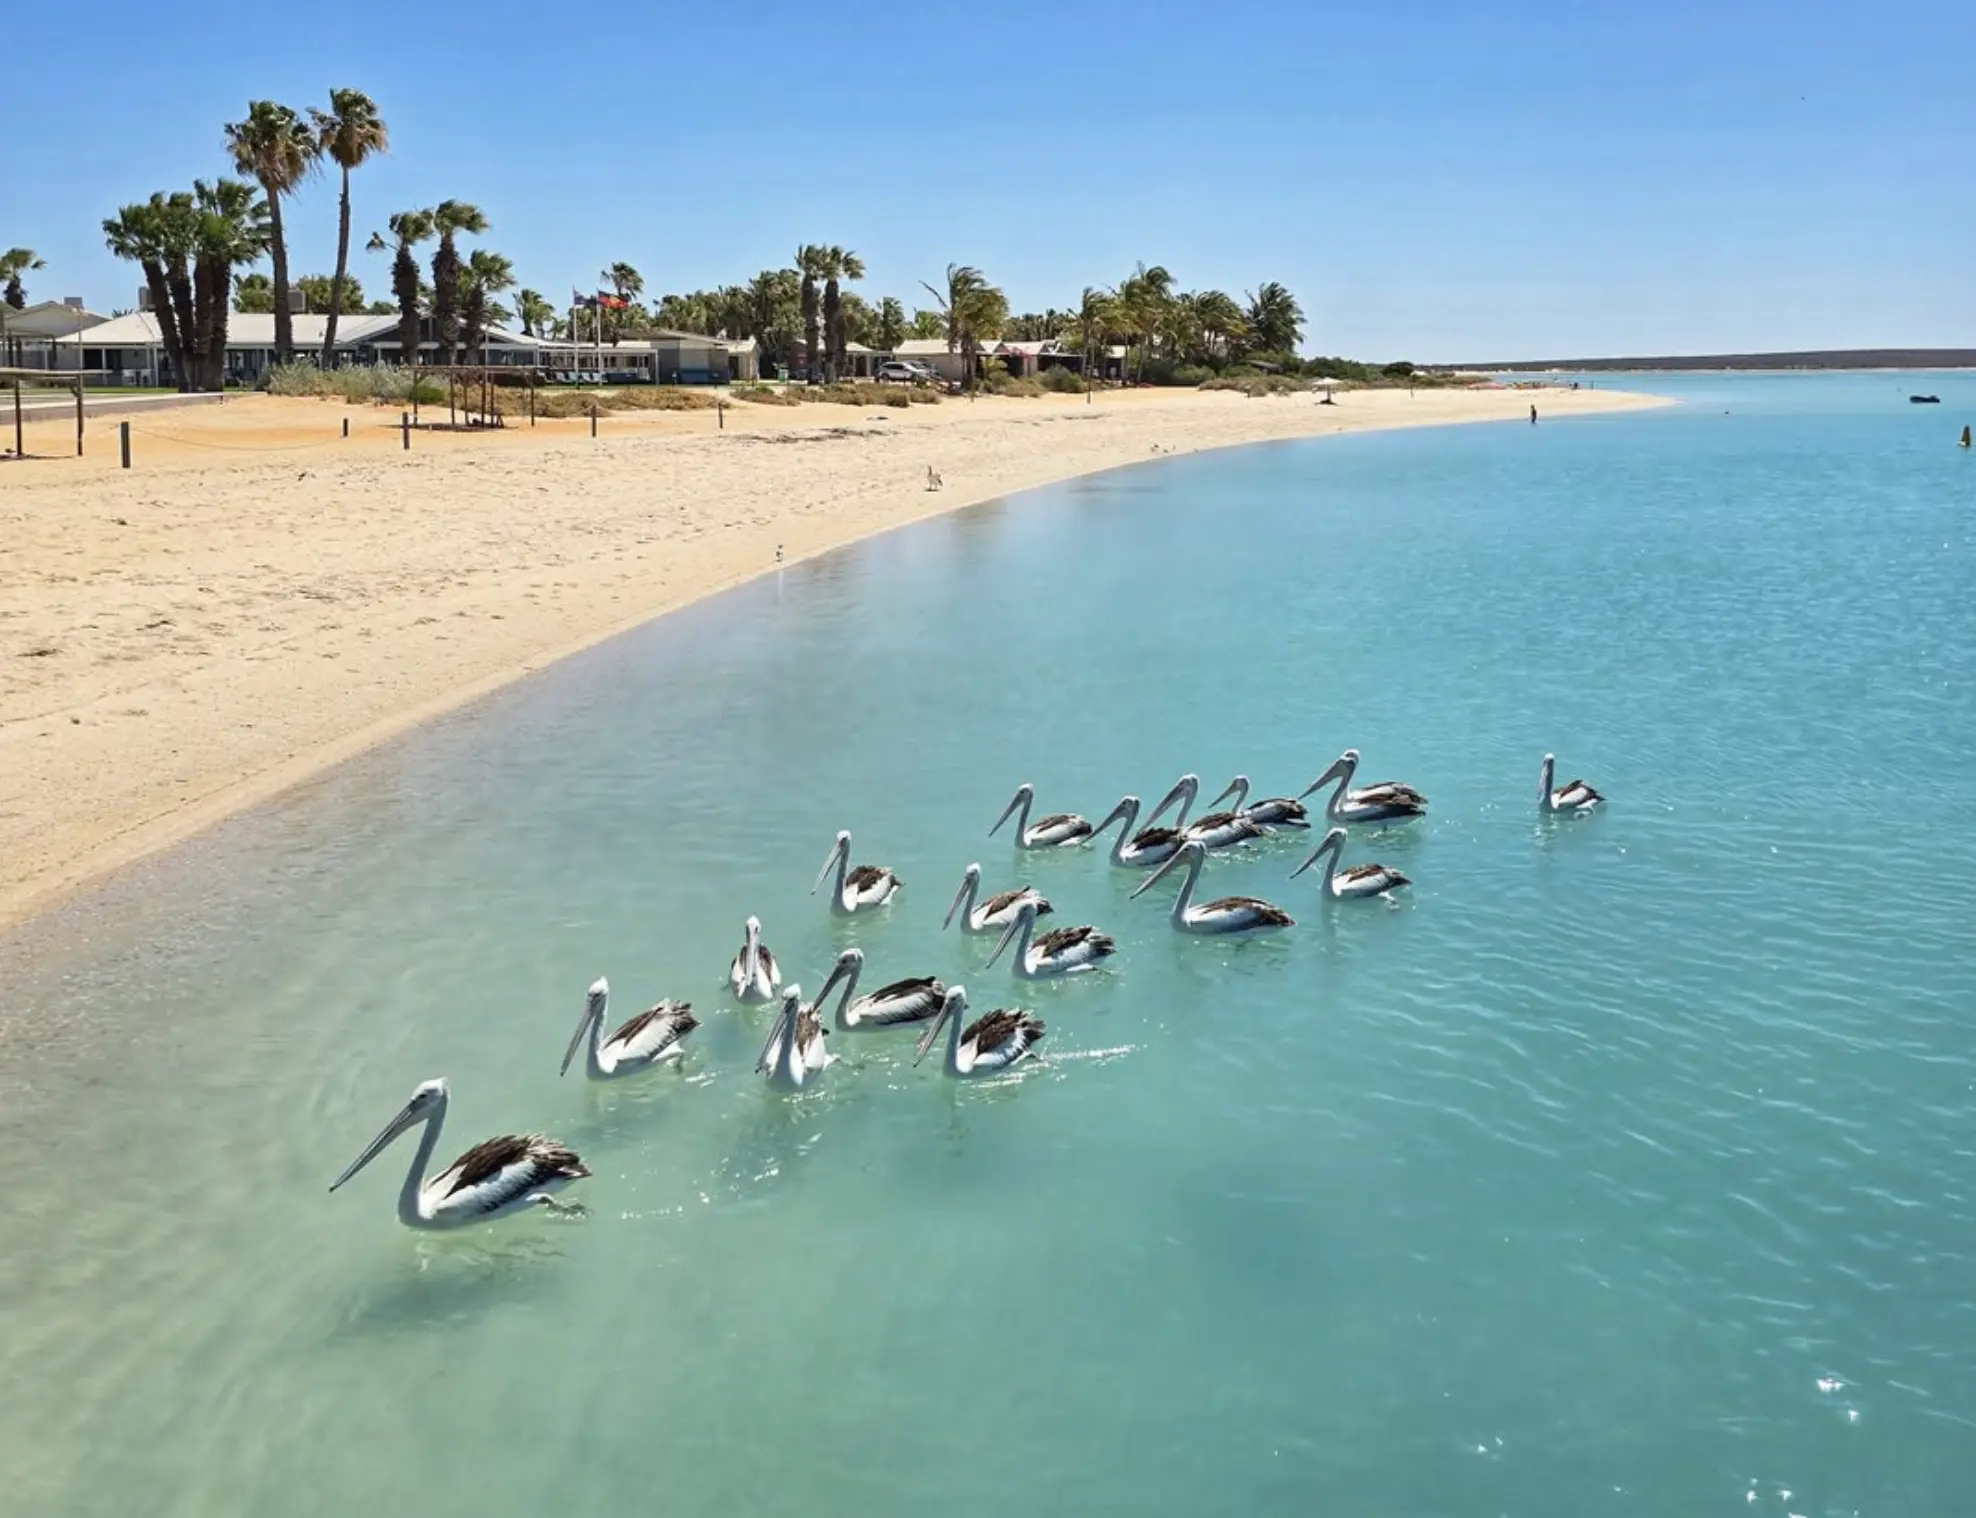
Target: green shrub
762,395
1062,381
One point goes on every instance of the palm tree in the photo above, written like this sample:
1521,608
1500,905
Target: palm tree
273,147
233,226
535,313
13,264
891,324
838,263
348,134
409,229
320,293
627,284
974,310
157,235
1097,314
253,292
1143,298
1276,321
449,218
812,263
485,276
1216,322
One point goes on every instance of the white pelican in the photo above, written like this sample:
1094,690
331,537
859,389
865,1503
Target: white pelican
988,1045
1388,801
1061,951
1577,797
1354,880
754,975
794,1051
1136,847
1217,830
1270,812
1058,830
489,1181
857,890
998,911
1229,914
651,1038
904,1001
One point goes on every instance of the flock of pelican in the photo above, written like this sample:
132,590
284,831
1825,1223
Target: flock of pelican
520,1172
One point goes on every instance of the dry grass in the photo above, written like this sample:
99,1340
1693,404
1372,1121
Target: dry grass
565,403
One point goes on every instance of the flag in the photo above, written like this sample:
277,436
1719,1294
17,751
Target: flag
578,299
610,302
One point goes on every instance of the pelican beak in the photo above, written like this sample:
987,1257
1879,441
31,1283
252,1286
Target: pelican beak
1008,934
829,859
392,1129
837,973
959,897
1234,787
1154,879
933,1028
1335,839
792,998
1186,788
593,1007
1116,814
1337,768
1015,801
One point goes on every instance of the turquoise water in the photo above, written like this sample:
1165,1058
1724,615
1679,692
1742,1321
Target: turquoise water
1628,1167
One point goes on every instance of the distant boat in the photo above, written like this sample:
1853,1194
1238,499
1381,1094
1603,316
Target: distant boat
1924,400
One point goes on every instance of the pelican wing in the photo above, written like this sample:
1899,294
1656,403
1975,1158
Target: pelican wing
651,1033
870,877
1576,793
810,1033
1388,790
1007,901
1000,1037
503,1169
1254,906
1147,838
1063,940
1371,878
904,1001
1278,811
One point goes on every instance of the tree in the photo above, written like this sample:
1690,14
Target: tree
349,133
485,276
774,311
974,311
812,260
926,325
449,219
13,264
156,235
535,313
889,326
380,308
408,230
837,264
1097,315
318,290
273,147
1143,299
1276,321
235,227
253,293
1215,323
627,284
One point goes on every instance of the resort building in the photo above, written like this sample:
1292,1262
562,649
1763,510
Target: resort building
28,336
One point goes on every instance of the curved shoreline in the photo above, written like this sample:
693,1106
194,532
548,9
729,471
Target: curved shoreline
200,658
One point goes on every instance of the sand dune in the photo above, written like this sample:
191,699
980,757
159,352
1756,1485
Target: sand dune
260,597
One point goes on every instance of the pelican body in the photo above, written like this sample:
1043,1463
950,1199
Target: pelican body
1061,951
651,1038
1353,881
1575,797
1270,812
989,1045
491,1180
794,1051
997,912
1057,831
893,1006
862,889
754,975
1387,802
1229,914
1138,848
1217,830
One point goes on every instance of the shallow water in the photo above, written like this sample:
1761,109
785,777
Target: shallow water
1625,1168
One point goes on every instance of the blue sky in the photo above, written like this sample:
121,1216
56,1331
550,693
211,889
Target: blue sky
1444,181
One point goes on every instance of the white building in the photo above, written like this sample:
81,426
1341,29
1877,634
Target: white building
28,336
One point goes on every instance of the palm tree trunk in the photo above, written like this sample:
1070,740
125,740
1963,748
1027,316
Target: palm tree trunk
161,308
342,269
284,319
185,317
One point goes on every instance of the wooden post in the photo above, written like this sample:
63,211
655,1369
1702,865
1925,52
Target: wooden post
123,434
593,418
78,408
531,400
405,428
346,426
720,411
452,380
20,449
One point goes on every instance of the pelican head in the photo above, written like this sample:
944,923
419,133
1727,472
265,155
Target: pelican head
595,1001
953,1004
1127,806
1344,764
430,1097
792,1000
849,963
1187,853
1186,789
1024,794
752,927
1333,841
970,881
841,849
1025,918
1238,788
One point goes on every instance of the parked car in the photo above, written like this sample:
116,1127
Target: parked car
907,371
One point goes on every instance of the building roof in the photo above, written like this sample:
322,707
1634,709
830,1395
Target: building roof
244,329
49,318
923,347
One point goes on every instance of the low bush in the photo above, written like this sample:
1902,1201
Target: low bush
1062,381
359,384
762,395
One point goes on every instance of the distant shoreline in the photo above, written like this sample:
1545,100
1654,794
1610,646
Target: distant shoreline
1811,360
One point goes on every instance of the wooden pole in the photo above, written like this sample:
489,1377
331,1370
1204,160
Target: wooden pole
531,400
405,428
123,436
593,418
78,405
346,426
20,450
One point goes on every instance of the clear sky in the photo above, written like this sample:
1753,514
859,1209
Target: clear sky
1434,181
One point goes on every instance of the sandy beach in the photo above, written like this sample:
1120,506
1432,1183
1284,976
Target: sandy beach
260,597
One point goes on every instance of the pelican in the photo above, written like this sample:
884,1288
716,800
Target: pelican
1357,880
988,1045
1139,848
651,1038
1389,801
754,975
1230,914
998,911
1217,830
489,1181
1061,951
902,1002
1576,798
1270,812
857,890
1058,830
794,1051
